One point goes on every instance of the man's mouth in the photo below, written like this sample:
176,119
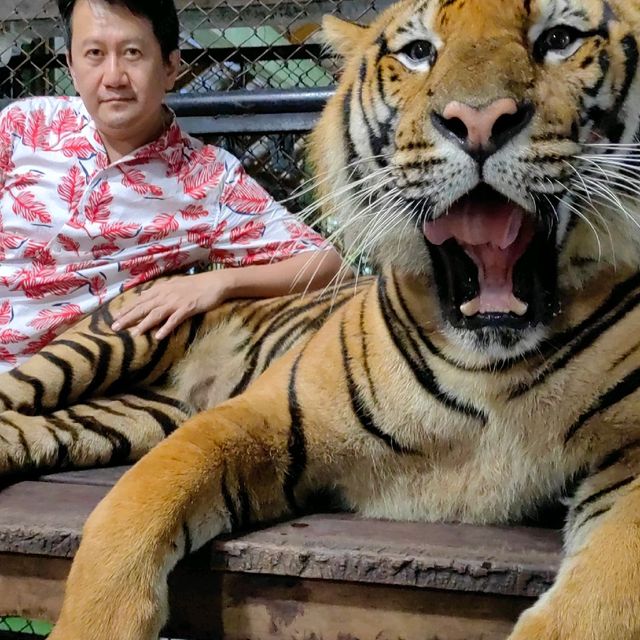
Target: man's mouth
494,263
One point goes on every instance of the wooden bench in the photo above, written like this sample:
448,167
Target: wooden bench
324,576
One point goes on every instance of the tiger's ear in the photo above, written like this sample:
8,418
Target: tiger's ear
341,35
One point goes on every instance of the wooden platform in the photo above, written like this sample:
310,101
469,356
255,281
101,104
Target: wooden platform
323,577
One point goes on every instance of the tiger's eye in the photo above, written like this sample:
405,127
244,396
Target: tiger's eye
419,50
558,39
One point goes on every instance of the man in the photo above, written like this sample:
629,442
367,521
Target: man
105,191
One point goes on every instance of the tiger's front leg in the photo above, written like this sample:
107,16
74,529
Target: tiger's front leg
229,466
596,595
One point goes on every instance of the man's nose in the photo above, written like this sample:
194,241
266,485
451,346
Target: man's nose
481,132
114,72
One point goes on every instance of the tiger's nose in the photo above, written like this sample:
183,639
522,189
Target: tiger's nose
481,132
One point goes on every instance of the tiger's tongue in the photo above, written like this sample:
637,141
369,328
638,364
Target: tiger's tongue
494,235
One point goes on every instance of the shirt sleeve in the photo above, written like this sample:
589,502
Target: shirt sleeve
255,228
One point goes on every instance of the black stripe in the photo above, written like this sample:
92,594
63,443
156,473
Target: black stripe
80,349
619,392
149,394
228,501
194,326
603,492
613,457
306,325
120,445
358,404
143,373
38,392
593,515
346,129
187,539
377,142
28,464
253,354
101,367
245,503
420,369
296,445
58,423
165,421
66,371
107,409
62,455
586,333
4,398
365,348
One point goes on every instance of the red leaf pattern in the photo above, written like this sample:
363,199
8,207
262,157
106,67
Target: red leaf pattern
245,195
68,243
77,147
97,209
71,187
52,318
6,312
66,122
205,236
26,206
115,230
36,131
245,233
9,336
135,179
160,228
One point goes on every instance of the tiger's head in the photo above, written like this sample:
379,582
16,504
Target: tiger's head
488,145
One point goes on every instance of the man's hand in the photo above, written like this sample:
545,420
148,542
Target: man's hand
171,302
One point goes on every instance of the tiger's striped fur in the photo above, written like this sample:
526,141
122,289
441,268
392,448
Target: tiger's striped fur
396,402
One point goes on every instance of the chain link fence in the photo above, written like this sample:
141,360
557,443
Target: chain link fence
226,45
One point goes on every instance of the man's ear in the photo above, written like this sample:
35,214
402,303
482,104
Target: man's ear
342,36
172,68
70,66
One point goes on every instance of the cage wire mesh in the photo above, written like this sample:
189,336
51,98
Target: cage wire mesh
225,45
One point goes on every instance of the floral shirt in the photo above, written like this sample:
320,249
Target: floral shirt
76,230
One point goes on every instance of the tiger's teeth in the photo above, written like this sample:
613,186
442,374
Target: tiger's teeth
515,305
471,307
518,307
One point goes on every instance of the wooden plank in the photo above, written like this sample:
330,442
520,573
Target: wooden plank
518,561
283,609
46,518
235,606
32,586
106,477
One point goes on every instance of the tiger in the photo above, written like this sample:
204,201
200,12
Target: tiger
482,155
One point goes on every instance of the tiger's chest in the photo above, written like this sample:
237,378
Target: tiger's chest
519,444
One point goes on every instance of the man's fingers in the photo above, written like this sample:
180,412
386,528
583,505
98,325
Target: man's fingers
174,320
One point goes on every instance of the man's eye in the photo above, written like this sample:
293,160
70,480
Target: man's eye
556,39
133,53
94,53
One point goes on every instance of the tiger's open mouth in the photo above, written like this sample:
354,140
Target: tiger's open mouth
494,264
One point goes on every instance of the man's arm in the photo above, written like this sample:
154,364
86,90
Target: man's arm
167,304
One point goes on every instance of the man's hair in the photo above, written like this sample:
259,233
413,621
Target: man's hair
161,13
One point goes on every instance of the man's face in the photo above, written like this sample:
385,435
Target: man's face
117,68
